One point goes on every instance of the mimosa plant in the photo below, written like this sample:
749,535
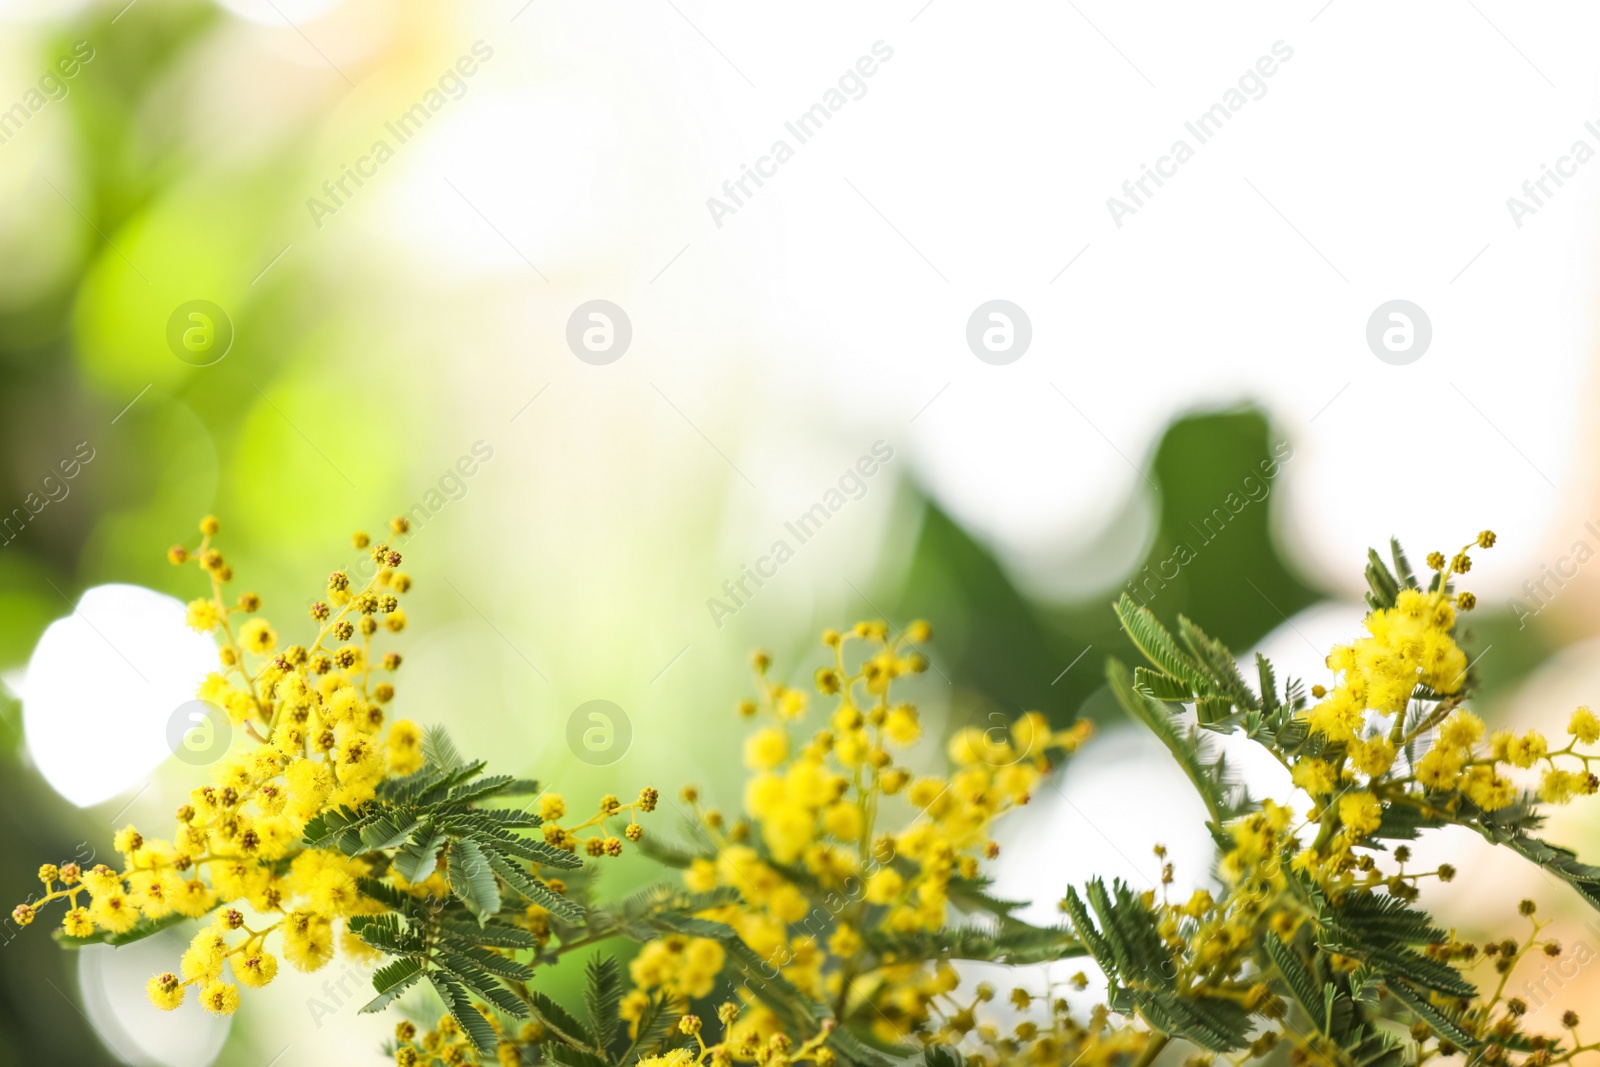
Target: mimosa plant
827,920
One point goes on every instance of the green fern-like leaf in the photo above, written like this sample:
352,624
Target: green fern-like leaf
531,889
651,1029
417,858
1223,799
1269,686
602,995
459,1003
1561,862
1402,566
1158,646
562,1023
1129,949
1159,685
439,750
391,980
492,934
526,848
1307,991
1382,586
472,879
1219,665
475,978
567,1056
1443,1023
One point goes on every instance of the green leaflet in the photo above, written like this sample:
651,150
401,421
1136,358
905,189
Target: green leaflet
1406,964
391,980
1445,1024
1011,943
1140,967
1218,665
459,1003
1158,646
1302,984
1402,566
472,879
972,895
1561,862
496,964
1268,682
602,995
439,750
493,934
523,847
532,889
1382,586
386,831
388,933
654,1024
477,789
567,1056
1160,686
450,941
1382,930
417,858
479,981
1223,800
560,1022
1379,918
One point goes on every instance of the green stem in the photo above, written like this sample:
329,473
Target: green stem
1153,1049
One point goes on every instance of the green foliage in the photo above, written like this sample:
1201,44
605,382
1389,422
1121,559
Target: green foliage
1009,943
1144,973
1386,935
1206,770
603,996
412,824
1196,668
1561,862
994,934
1359,956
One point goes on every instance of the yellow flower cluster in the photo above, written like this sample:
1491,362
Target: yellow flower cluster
855,847
1399,691
553,808
446,1044
1392,734
838,830
682,967
745,1044
317,740
1408,644
847,838
315,716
